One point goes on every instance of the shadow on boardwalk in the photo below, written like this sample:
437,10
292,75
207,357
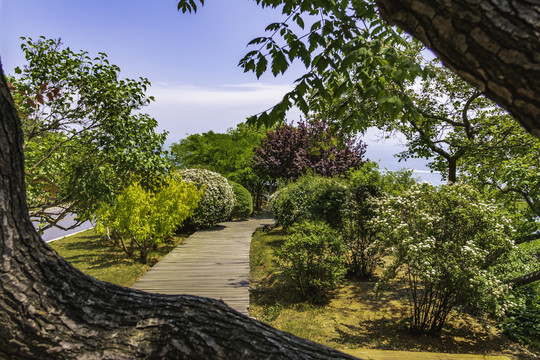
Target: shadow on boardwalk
212,263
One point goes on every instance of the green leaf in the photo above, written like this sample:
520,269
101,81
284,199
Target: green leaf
261,65
279,63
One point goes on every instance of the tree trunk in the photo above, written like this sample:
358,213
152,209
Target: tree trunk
50,310
525,279
452,170
493,44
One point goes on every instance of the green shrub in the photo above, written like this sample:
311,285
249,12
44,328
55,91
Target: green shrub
243,202
359,234
312,257
138,219
390,182
311,198
447,242
522,315
217,202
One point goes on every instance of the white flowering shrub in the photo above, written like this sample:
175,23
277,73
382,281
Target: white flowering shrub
445,243
218,200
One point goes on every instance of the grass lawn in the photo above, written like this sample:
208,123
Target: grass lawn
94,256
357,319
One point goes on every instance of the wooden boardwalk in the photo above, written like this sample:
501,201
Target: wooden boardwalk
211,263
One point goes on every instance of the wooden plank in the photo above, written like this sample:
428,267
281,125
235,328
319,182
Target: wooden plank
211,263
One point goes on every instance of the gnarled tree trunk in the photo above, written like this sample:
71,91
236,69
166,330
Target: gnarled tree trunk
493,44
49,310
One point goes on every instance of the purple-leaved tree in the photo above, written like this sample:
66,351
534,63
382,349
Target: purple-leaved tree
288,152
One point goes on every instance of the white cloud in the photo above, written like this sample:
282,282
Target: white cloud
188,109
237,95
422,171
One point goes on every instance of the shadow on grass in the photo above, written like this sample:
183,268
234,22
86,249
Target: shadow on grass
389,334
95,252
382,324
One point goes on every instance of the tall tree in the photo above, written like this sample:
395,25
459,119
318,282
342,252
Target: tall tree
50,310
448,116
504,159
227,153
288,152
82,141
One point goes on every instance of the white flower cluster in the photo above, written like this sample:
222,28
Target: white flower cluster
444,236
218,200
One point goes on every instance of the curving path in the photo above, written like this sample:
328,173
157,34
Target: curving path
211,263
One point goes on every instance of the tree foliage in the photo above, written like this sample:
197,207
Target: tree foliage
350,47
449,114
389,182
289,152
505,160
83,143
345,46
227,153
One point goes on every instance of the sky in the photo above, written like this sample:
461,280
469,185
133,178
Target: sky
191,60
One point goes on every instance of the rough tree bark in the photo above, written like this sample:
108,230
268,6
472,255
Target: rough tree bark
49,310
493,44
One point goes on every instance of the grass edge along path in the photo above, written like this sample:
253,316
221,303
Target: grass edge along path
94,256
360,324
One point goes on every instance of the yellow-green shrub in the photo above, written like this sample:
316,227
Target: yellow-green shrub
138,218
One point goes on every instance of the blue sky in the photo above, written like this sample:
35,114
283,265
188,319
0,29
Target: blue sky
191,60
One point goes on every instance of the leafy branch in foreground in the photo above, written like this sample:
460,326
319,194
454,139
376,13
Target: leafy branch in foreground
345,46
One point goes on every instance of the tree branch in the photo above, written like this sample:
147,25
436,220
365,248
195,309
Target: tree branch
488,43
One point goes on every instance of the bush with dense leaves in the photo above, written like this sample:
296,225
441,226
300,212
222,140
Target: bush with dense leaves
312,257
244,202
390,182
138,219
522,315
311,198
359,235
217,202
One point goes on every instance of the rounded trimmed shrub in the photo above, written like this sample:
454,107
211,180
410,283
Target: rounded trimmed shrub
217,202
311,198
244,202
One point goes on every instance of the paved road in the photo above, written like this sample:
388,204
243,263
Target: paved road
55,233
211,263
